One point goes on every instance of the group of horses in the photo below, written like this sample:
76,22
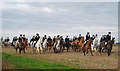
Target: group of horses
59,46
76,45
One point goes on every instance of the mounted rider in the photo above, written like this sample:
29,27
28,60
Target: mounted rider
32,41
93,37
49,38
108,38
24,38
102,38
20,39
45,37
87,36
79,38
14,40
37,37
56,40
66,39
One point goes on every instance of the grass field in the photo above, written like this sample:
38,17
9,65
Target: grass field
20,62
65,60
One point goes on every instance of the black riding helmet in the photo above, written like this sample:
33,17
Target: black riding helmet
109,32
20,34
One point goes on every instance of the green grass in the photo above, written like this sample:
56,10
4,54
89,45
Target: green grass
28,63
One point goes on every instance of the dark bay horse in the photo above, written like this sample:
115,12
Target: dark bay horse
110,45
22,46
50,44
102,47
87,46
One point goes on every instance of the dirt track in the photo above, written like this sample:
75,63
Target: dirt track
74,59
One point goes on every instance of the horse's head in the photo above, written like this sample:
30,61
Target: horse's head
113,40
82,38
90,41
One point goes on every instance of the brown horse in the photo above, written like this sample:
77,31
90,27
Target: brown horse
50,44
74,44
23,45
87,46
26,43
81,43
77,45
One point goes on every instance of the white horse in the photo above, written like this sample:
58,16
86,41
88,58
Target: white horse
95,45
57,47
39,46
45,44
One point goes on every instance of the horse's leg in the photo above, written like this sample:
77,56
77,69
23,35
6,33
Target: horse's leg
37,49
24,50
109,52
16,49
20,50
102,49
54,49
86,51
67,48
91,51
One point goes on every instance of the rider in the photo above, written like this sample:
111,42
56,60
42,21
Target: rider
14,40
32,39
108,38
93,37
87,36
102,38
49,38
37,37
54,39
79,37
66,39
20,40
24,37
45,37
8,39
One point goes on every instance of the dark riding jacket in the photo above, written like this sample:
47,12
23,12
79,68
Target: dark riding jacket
66,40
108,37
87,37
37,38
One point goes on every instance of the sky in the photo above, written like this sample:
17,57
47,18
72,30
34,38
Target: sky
63,18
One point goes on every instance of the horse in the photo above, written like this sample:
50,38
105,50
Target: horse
65,44
102,47
87,46
16,45
74,44
95,45
25,43
81,43
57,47
110,45
50,44
44,45
38,46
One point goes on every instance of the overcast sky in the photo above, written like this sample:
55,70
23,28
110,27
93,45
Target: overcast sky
63,18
